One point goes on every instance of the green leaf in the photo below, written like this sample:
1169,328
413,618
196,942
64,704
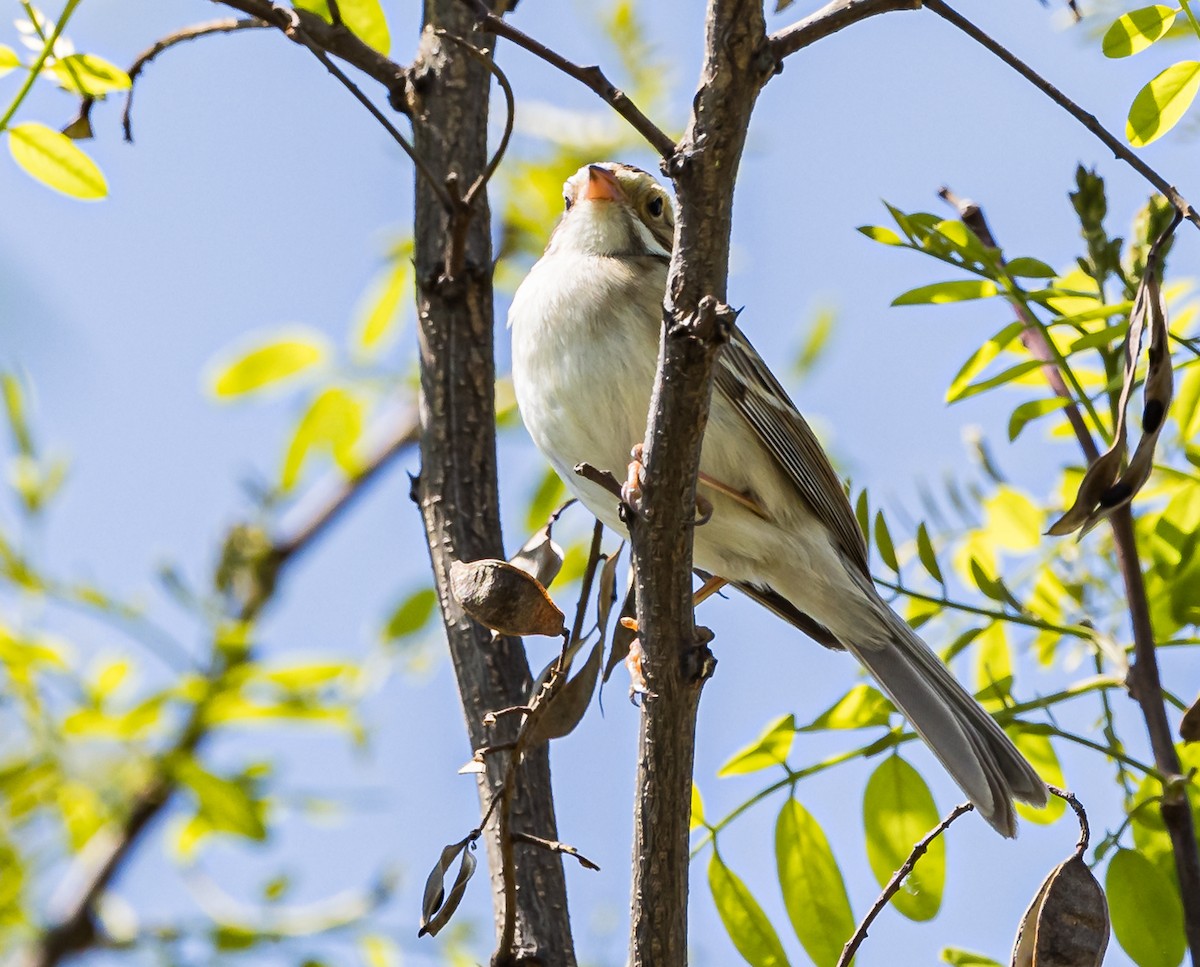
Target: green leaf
815,342
1012,520
813,889
877,233
56,161
957,957
1026,413
90,75
8,59
927,554
549,494
1028,268
979,359
769,749
1000,379
1040,753
364,17
744,920
1159,105
883,541
861,707
1146,912
411,615
1133,32
862,513
267,364
993,664
940,293
898,811
333,423
224,804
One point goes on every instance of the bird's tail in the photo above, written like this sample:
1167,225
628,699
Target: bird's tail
966,740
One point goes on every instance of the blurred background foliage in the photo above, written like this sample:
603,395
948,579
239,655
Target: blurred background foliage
97,736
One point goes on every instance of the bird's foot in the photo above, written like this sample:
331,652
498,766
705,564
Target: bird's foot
631,490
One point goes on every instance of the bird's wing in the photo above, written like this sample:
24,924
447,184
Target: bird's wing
754,392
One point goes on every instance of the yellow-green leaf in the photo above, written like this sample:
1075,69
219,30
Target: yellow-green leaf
1027,412
861,707
1040,753
333,423
56,161
883,541
979,359
1029,268
1133,32
364,17
381,310
813,889
1161,103
898,810
877,233
1013,521
697,812
927,554
769,749
90,75
8,59
1146,912
744,920
993,663
268,363
940,293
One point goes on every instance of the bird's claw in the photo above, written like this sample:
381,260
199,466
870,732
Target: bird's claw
631,490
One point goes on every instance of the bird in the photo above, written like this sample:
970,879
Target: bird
585,325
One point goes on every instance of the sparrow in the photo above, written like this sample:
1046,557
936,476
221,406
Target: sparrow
586,324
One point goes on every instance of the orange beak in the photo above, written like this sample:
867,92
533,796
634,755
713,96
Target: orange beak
602,185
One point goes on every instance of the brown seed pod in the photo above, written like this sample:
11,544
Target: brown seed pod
1067,924
504,598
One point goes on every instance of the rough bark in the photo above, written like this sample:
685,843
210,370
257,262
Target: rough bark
696,320
457,488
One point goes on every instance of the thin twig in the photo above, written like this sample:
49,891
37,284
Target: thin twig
1118,148
484,57
295,30
592,77
889,891
829,20
226,25
554,846
1085,832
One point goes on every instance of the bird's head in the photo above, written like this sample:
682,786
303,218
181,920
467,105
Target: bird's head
614,209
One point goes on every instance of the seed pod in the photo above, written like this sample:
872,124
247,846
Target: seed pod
1067,923
504,598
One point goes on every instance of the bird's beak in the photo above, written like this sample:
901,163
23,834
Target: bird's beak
602,185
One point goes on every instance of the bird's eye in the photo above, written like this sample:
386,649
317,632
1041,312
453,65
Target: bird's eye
655,207
568,201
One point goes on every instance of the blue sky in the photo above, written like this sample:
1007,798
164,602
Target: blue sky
258,194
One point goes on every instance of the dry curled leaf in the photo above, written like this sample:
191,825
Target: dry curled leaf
606,596
541,557
565,705
1067,923
438,906
504,598
1105,487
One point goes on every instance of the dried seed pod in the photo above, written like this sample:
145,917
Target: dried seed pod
566,704
504,598
1067,923
438,906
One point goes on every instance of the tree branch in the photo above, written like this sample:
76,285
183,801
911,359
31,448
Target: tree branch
457,489
1111,141
592,77
696,321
